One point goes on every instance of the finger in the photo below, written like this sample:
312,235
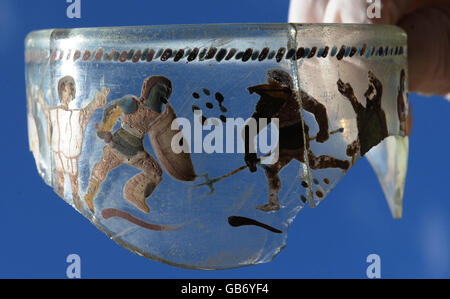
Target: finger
392,11
354,11
307,11
428,32
328,11
425,21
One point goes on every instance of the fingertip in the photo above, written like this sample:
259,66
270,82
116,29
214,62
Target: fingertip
428,50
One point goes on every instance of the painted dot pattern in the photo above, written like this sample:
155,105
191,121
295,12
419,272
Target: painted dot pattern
205,54
303,198
206,93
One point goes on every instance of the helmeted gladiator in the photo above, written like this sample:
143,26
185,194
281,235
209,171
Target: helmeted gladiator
125,145
278,99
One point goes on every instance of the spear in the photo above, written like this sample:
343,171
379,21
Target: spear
210,182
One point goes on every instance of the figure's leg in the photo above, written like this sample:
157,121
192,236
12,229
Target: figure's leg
108,161
352,149
59,174
320,162
60,181
142,185
76,197
72,170
274,182
325,161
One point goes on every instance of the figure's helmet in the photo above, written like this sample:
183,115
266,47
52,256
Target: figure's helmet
281,77
156,91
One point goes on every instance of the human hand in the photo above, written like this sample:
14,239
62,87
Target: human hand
100,98
251,159
106,136
322,136
345,88
374,84
427,23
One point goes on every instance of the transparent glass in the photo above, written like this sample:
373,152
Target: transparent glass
218,218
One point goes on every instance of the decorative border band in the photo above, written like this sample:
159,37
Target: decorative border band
147,55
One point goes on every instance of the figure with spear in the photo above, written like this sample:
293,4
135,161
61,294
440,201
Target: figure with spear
278,99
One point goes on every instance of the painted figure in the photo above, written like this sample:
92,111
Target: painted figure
35,127
66,130
139,117
279,100
403,109
371,120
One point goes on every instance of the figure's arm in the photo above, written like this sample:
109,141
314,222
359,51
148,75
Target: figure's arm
126,105
375,84
248,135
44,107
40,98
401,105
46,110
97,102
347,91
319,111
29,101
110,117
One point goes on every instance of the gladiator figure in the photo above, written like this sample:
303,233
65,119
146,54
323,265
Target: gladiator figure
371,120
279,100
66,130
125,145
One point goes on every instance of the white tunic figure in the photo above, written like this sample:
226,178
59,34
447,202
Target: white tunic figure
66,130
66,138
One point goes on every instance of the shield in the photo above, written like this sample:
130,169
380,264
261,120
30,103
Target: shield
177,165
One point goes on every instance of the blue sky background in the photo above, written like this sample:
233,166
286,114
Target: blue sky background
39,230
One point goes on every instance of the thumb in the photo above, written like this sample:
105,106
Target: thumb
428,32
328,11
427,23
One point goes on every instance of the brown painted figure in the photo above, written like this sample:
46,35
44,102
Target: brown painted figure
138,117
403,109
371,120
66,130
279,100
